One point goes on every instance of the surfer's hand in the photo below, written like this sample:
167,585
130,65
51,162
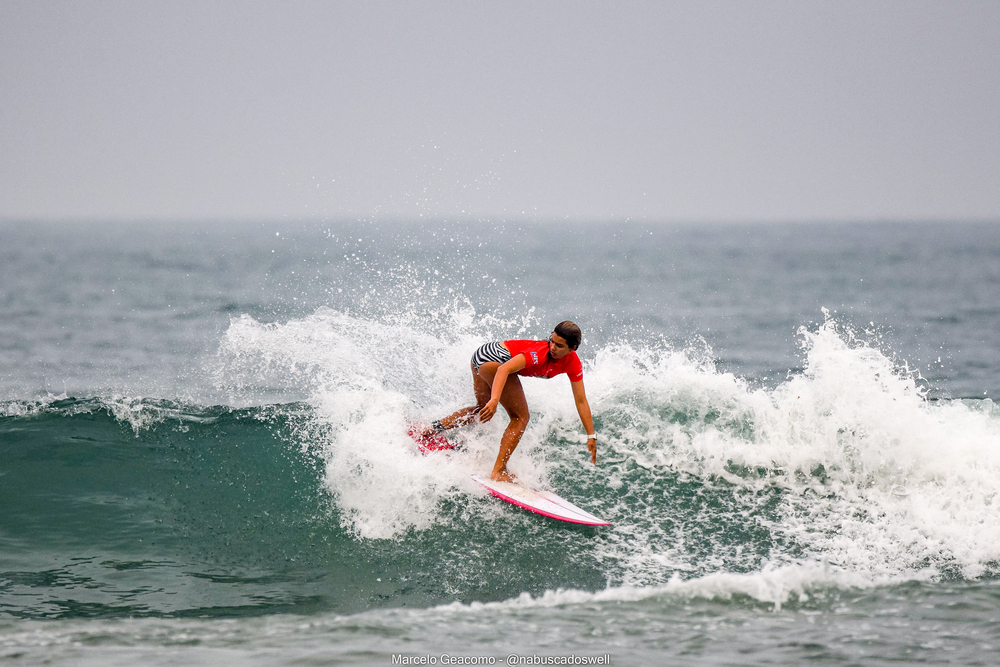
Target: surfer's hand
487,412
592,448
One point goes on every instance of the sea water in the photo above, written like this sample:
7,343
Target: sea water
204,460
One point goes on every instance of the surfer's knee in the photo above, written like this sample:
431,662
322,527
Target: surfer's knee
520,419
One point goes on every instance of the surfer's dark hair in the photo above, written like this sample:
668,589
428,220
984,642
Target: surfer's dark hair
570,332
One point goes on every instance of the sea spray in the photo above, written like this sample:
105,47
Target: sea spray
845,461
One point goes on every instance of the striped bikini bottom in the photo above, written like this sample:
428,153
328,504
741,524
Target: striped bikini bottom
494,351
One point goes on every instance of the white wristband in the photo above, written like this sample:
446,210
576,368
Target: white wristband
591,435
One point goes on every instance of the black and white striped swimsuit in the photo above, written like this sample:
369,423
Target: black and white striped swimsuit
494,351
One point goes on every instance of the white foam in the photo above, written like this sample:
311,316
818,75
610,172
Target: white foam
772,585
366,382
876,478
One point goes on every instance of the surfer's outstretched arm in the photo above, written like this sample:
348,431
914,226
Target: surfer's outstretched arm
583,409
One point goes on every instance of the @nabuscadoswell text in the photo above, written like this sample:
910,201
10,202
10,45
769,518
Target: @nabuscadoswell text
509,659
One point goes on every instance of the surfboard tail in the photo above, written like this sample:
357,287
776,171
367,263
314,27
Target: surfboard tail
428,441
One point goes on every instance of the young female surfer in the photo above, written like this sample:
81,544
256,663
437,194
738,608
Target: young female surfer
496,368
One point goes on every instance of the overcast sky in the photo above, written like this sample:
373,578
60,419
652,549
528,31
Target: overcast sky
675,111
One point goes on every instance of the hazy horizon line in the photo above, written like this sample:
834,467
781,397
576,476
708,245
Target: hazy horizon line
483,220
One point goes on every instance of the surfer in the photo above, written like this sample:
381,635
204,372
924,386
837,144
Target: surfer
496,371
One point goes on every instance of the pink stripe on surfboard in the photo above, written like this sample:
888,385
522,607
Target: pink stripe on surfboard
537,510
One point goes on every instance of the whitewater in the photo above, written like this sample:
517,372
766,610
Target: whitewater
205,455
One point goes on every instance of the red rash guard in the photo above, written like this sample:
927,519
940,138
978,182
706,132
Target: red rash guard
538,363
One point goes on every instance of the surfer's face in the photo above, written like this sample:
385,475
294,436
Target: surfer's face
558,348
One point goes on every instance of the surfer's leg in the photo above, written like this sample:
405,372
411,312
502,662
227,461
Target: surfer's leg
513,401
482,388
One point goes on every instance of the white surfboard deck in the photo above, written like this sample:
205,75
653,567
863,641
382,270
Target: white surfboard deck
545,503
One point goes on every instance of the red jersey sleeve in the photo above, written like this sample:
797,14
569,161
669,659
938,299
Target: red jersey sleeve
574,368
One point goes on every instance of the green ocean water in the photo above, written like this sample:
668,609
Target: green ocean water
219,512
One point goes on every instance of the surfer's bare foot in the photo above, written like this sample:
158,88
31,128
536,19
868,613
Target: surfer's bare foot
503,476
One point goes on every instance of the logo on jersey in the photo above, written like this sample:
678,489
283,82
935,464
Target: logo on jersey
534,357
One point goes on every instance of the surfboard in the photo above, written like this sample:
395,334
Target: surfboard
545,503
435,442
